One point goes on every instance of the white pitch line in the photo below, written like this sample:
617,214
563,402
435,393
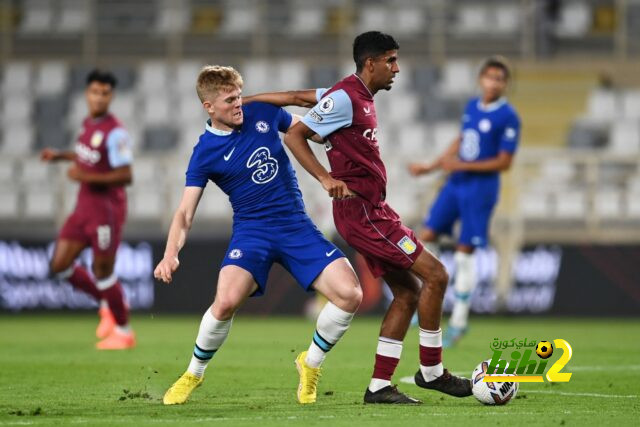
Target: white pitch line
569,393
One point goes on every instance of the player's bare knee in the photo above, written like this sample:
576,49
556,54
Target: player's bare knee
438,278
57,266
353,298
223,308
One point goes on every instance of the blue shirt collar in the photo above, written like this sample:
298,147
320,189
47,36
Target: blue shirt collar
215,131
493,106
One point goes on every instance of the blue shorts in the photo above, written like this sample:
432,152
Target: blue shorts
298,246
471,202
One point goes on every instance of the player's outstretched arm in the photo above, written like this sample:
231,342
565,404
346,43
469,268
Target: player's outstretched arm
296,139
180,225
51,155
417,169
495,164
300,98
117,177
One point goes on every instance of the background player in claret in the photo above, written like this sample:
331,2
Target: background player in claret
101,163
346,117
485,148
241,152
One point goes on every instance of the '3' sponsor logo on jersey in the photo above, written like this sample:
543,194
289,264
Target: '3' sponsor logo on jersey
266,166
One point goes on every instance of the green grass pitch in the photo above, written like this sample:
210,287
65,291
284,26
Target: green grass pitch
50,374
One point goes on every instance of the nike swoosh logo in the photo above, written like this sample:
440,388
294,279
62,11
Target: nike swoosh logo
228,156
330,253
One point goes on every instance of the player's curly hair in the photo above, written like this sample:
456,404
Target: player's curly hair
496,61
213,78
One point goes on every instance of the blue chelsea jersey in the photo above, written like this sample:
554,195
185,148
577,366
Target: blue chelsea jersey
487,130
250,165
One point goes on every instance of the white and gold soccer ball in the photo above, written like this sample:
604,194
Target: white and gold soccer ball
491,393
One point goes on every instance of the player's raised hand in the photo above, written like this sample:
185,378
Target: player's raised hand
48,155
337,189
165,268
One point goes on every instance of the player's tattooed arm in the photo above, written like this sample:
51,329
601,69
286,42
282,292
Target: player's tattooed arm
117,176
299,98
296,139
51,155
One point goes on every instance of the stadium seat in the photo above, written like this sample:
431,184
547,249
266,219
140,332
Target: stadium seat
17,79
257,76
409,20
458,78
607,203
373,16
403,107
186,73
240,18
16,109
9,199
307,20
156,109
37,16
414,142
557,171
39,204
507,19
74,16
7,170
587,134
570,204
124,106
51,78
146,172
625,137
54,137
632,204
534,204
323,75
472,19
574,20
190,112
215,206
35,172
51,109
288,75
17,139
153,77
425,77
173,17
443,134
631,104
147,203
603,105
160,138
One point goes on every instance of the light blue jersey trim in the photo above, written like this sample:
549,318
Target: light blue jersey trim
320,93
333,112
119,148
215,131
493,106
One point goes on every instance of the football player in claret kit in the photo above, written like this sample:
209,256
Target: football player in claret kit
485,147
241,152
346,117
101,163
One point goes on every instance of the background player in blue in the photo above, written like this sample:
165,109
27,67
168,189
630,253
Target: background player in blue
241,152
485,147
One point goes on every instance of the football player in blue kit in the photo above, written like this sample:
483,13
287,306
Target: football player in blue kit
241,152
485,147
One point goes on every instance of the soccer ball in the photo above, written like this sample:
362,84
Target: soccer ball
491,393
544,349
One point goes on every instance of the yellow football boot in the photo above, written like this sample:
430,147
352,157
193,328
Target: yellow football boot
308,380
180,391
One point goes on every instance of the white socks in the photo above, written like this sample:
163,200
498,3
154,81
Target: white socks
332,323
211,335
464,285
